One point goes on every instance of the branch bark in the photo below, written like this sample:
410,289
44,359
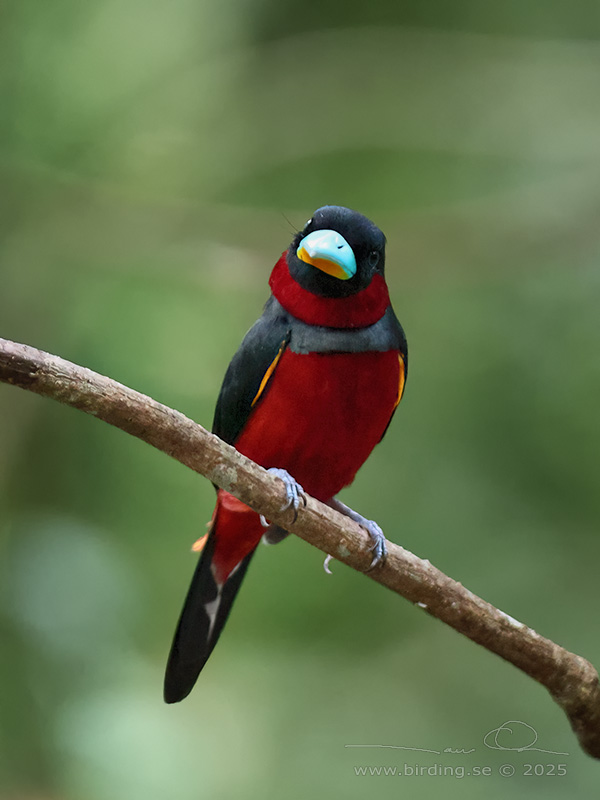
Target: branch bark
571,680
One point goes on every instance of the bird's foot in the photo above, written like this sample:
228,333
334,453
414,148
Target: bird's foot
274,534
379,547
294,492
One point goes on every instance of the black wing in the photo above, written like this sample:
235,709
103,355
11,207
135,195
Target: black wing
207,604
250,371
403,348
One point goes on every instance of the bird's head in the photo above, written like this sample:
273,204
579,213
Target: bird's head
337,253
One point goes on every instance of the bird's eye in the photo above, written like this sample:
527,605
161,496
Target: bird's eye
373,258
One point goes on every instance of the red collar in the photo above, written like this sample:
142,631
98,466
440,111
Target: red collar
357,311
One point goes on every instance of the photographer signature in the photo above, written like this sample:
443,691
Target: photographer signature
496,739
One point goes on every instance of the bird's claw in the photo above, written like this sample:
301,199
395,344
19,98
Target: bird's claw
294,492
379,547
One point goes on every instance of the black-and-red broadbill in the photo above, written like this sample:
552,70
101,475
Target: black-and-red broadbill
309,393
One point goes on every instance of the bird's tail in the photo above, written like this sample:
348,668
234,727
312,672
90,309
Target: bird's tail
234,534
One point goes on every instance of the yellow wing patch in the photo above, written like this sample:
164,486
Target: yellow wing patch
401,381
198,545
268,374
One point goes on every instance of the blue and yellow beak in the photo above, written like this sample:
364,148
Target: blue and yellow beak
330,252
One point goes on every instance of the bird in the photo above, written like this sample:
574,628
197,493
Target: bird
309,393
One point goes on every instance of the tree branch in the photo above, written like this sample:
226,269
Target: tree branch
571,680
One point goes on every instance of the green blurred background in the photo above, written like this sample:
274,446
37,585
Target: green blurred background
154,160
